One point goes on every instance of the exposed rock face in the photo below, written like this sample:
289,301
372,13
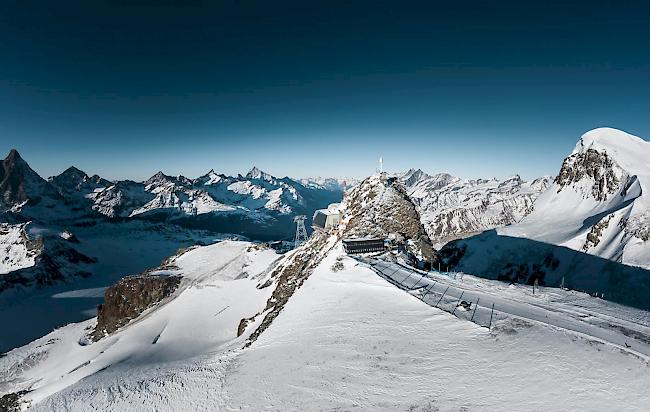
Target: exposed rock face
593,165
128,298
595,234
19,184
11,402
379,209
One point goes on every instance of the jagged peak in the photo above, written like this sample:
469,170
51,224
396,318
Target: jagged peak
256,173
158,176
13,155
73,170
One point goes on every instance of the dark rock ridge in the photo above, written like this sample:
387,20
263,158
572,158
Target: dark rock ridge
20,184
129,297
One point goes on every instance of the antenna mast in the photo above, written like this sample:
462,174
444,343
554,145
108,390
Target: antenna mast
381,164
301,232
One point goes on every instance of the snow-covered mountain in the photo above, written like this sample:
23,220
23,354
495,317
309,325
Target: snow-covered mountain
258,204
330,183
584,230
23,190
451,207
255,192
74,181
599,202
17,250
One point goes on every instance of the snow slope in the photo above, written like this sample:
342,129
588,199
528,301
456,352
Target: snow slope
121,249
599,203
347,339
451,207
219,287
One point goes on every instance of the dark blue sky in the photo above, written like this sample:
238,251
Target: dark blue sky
478,89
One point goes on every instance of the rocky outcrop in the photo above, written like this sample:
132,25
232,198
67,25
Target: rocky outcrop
596,232
74,182
383,208
11,402
128,298
590,164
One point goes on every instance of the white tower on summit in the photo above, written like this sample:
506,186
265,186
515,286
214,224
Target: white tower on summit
381,164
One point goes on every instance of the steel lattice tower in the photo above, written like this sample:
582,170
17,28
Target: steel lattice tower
301,232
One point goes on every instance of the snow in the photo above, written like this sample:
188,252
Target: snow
565,215
347,339
451,207
121,249
217,290
14,248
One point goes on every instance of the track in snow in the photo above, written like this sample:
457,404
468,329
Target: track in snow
435,289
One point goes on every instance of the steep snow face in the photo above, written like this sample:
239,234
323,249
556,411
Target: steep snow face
17,251
598,203
257,174
451,207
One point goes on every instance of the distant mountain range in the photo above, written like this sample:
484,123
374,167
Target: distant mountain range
40,217
258,196
451,207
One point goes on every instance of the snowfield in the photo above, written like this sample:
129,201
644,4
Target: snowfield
347,339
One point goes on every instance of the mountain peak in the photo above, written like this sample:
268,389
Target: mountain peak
256,173
73,171
13,155
608,138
